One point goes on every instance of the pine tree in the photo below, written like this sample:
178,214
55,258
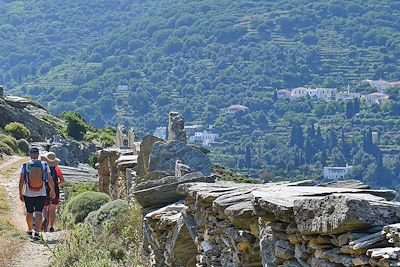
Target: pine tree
324,157
345,147
320,139
311,132
248,157
308,150
332,139
349,110
275,96
356,105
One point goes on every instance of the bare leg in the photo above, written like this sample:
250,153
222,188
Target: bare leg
52,214
29,220
38,222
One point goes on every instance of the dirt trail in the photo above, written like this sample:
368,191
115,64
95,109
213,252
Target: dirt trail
31,253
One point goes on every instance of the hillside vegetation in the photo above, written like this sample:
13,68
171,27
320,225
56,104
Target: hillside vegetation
194,57
132,62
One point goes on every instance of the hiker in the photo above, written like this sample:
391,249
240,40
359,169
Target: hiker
32,189
50,205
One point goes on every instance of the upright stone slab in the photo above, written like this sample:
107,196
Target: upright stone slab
146,146
1,91
112,158
131,139
164,156
103,168
176,127
119,136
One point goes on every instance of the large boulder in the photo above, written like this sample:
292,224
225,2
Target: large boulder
164,156
340,213
71,153
146,146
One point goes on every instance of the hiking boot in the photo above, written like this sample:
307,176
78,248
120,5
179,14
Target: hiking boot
51,230
29,233
44,225
36,237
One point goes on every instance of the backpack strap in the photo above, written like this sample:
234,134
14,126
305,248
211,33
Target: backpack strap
45,175
26,171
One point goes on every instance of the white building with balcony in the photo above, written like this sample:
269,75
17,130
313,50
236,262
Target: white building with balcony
205,137
335,173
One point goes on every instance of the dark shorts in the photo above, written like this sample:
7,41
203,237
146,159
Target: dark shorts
34,203
53,201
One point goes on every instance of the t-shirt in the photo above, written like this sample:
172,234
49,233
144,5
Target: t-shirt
39,193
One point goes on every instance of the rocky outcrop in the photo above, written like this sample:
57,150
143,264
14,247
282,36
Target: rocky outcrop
176,127
79,174
164,156
71,153
41,124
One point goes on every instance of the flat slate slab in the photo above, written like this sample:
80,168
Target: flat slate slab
315,209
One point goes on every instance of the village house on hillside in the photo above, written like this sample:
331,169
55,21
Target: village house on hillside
381,86
335,173
235,108
205,137
376,98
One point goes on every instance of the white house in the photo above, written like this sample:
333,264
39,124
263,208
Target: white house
205,137
347,96
376,98
160,132
326,93
299,92
335,173
283,94
191,129
236,108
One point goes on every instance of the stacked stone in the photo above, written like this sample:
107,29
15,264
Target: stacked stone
167,237
226,234
112,167
255,225
344,228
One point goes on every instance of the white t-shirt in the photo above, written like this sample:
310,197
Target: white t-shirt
39,193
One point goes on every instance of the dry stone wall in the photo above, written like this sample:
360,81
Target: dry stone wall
233,224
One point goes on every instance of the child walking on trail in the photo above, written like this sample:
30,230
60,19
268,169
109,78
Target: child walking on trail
32,189
51,203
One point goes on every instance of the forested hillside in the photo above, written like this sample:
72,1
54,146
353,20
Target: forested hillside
132,62
193,56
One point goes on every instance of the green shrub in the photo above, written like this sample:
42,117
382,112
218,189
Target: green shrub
117,244
10,141
5,149
107,213
81,205
18,130
73,189
23,146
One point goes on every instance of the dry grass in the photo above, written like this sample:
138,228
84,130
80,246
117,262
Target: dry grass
10,237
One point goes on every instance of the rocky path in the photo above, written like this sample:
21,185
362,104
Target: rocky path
30,253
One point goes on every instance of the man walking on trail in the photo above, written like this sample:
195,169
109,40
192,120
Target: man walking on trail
32,189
